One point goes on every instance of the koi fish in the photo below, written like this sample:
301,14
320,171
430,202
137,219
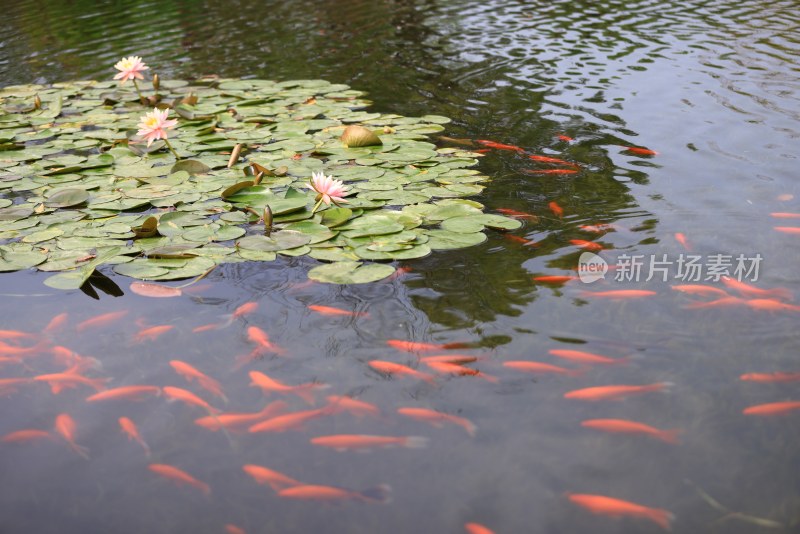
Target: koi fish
619,293
152,332
15,334
379,494
361,442
477,528
597,228
65,426
277,481
290,421
771,377
129,428
26,435
134,393
233,529
56,323
354,406
237,422
522,240
771,305
400,271
499,146
245,309
550,171
699,289
60,381
390,368
414,346
187,397
554,279
772,408
585,357
190,373
329,310
681,238
206,327
458,370
588,245
631,427
540,368
784,215
602,505
270,385
149,289
640,151
518,214
75,361
261,339
547,159
564,138
436,418
788,229
457,359
179,476
101,320
600,393
752,291
12,350
556,209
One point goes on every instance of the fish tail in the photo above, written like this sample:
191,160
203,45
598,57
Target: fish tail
669,436
380,494
415,442
306,394
469,426
489,378
662,518
664,386
577,372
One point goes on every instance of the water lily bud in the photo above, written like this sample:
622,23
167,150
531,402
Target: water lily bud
156,82
37,102
355,136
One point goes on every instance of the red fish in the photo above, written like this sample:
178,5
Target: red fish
547,159
290,421
56,323
436,418
26,435
270,385
149,289
588,245
329,310
65,426
190,373
499,146
187,397
681,238
521,240
556,209
619,293
245,309
134,393
391,368
597,228
238,422
602,505
550,171
129,428
152,332
262,475
59,381
361,442
15,334
756,292
640,151
585,357
261,339
207,327
784,215
458,370
795,230
564,138
12,350
631,427
540,368
233,529
777,376
518,214
354,406
101,320
554,279
332,494
771,305
459,359
414,346
772,408
179,476
477,528
617,392
699,289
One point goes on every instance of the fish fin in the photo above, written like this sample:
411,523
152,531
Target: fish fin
415,442
489,378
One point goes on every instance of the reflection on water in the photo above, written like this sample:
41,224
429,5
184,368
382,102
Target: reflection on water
710,86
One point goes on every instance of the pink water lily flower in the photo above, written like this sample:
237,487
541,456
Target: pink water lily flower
329,190
153,125
130,69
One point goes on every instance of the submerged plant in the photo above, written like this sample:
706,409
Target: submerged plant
328,189
154,125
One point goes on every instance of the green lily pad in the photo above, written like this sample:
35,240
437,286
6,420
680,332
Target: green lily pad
350,272
445,240
282,240
64,198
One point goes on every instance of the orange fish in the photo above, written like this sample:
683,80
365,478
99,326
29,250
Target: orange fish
771,305
329,310
771,377
245,309
640,151
12,350
724,302
522,240
699,289
564,138
597,228
436,418
413,346
270,385
631,427
681,238
477,528
179,476
354,406
65,426
260,338
619,293
55,323
233,529
518,214
134,393
400,271
550,171
60,381
390,368
152,332
499,146
547,159
290,421
458,359
601,505
190,373
540,368
129,428
458,370
277,481
187,397
24,436
585,357
362,442
784,215
600,393
556,209
15,334
772,408
9,385
379,494
207,327
588,245
101,320
752,291
237,422
788,229
554,279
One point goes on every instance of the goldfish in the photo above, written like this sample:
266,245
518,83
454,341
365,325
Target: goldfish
772,408
148,289
129,428
718,303
540,368
101,320
260,338
602,505
190,373
233,529
631,427
499,146
585,357
787,229
153,332
290,421
379,494
550,171
599,393
588,245
771,377
277,481
518,214
564,138
240,421
458,359
9,385
206,327
12,350
681,238
597,228
391,368
619,293
640,151
179,476
59,381
28,434
270,385
245,309
752,291
65,426
329,310
477,528
15,334
436,418
699,289
458,369
56,323
400,271
135,393
547,159
771,305
187,397
522,240
414,346
70,358
354,406
556,209
361,442
784,215
554,279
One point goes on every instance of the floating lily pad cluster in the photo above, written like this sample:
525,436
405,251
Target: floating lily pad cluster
78,190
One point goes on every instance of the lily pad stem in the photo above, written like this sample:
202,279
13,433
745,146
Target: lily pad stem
316,206
138,92
169,146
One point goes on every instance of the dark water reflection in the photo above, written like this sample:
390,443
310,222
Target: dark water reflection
711,86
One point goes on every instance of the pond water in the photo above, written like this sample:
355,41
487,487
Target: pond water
710,87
